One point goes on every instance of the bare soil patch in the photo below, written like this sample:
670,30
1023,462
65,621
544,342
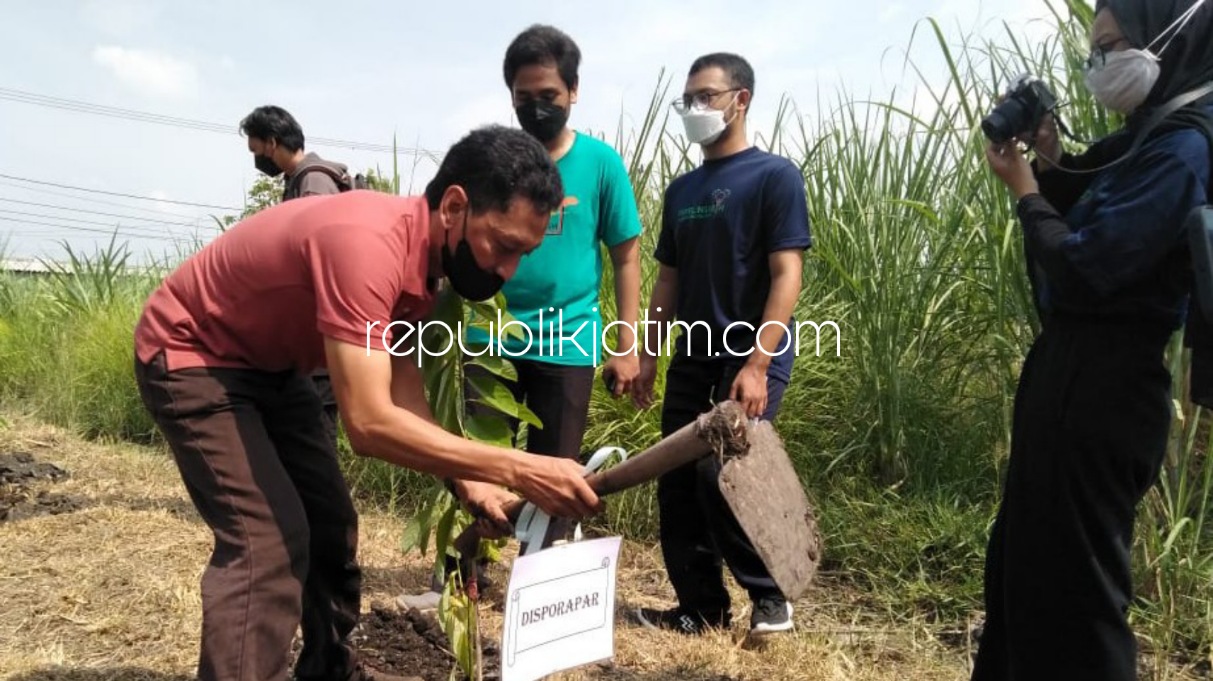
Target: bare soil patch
22,494
106,587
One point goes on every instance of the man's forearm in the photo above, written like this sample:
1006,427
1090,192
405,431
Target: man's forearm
405,433
627,292
406,439
785,289
660,312
408,393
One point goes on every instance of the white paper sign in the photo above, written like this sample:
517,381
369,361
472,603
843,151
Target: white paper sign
560,609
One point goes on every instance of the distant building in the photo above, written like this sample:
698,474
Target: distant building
24,266
29,267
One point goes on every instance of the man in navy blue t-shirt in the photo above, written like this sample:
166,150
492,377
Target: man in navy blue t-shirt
732,240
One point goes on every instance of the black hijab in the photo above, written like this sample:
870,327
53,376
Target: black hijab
1187,62
1184,66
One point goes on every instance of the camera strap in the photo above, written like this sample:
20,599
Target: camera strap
1178,102
1065,130
1160,114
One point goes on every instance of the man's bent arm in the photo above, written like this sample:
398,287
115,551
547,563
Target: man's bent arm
626,260
368,396
408,392
661,310
786,269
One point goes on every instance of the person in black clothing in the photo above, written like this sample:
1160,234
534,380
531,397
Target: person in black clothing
1109,267
276,142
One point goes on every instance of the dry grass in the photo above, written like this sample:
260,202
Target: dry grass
110,591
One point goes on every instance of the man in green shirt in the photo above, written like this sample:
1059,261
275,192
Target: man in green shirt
555,291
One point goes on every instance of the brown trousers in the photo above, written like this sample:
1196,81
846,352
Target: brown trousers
257,461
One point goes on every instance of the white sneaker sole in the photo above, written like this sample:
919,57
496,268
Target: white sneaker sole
763,628
423,602
643,621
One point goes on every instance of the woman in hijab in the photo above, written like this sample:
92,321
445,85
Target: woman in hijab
1110,270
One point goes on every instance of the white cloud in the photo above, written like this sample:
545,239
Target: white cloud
149,72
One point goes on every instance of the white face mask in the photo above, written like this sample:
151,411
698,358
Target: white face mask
705,126
1124,79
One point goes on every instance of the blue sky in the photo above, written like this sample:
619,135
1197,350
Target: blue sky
425,72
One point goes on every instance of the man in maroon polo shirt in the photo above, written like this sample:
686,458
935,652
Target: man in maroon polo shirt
223,351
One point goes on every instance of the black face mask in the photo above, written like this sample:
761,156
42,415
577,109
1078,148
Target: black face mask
266,165
466,277
542,119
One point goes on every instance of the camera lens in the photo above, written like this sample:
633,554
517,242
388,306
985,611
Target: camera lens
1005,121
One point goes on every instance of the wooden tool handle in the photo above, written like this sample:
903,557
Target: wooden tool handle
724,426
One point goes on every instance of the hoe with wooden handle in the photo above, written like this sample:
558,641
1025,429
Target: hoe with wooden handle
757,481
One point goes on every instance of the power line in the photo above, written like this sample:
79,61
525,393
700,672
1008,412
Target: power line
127,196
78,106
93,200
146,229
52,206
107,232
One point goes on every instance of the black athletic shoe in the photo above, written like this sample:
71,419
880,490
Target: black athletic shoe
771,614
679,620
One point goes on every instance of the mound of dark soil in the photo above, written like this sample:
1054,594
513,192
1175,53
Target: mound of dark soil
20,474
411,643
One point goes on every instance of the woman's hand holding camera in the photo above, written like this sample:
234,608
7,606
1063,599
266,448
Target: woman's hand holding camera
1012,167
1047,144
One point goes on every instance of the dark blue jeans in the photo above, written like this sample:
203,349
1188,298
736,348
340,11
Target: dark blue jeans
698,531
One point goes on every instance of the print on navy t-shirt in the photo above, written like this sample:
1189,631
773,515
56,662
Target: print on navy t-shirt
720,223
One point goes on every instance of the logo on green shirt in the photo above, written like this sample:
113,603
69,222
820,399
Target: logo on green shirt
556,225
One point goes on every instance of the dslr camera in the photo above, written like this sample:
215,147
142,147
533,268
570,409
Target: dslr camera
1026,104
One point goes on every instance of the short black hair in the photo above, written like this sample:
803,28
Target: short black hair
271,122
542,44
495,164
735,67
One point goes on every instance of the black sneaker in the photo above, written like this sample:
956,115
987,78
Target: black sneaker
771,614
679,620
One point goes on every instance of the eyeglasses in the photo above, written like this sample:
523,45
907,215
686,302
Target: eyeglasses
1099,54
699,100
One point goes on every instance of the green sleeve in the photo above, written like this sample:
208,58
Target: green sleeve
619,218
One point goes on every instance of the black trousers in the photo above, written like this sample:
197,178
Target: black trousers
263,474
323,385
1091,421
698,531
560,396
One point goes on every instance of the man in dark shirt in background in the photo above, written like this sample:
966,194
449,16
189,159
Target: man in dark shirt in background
276,142
732,240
